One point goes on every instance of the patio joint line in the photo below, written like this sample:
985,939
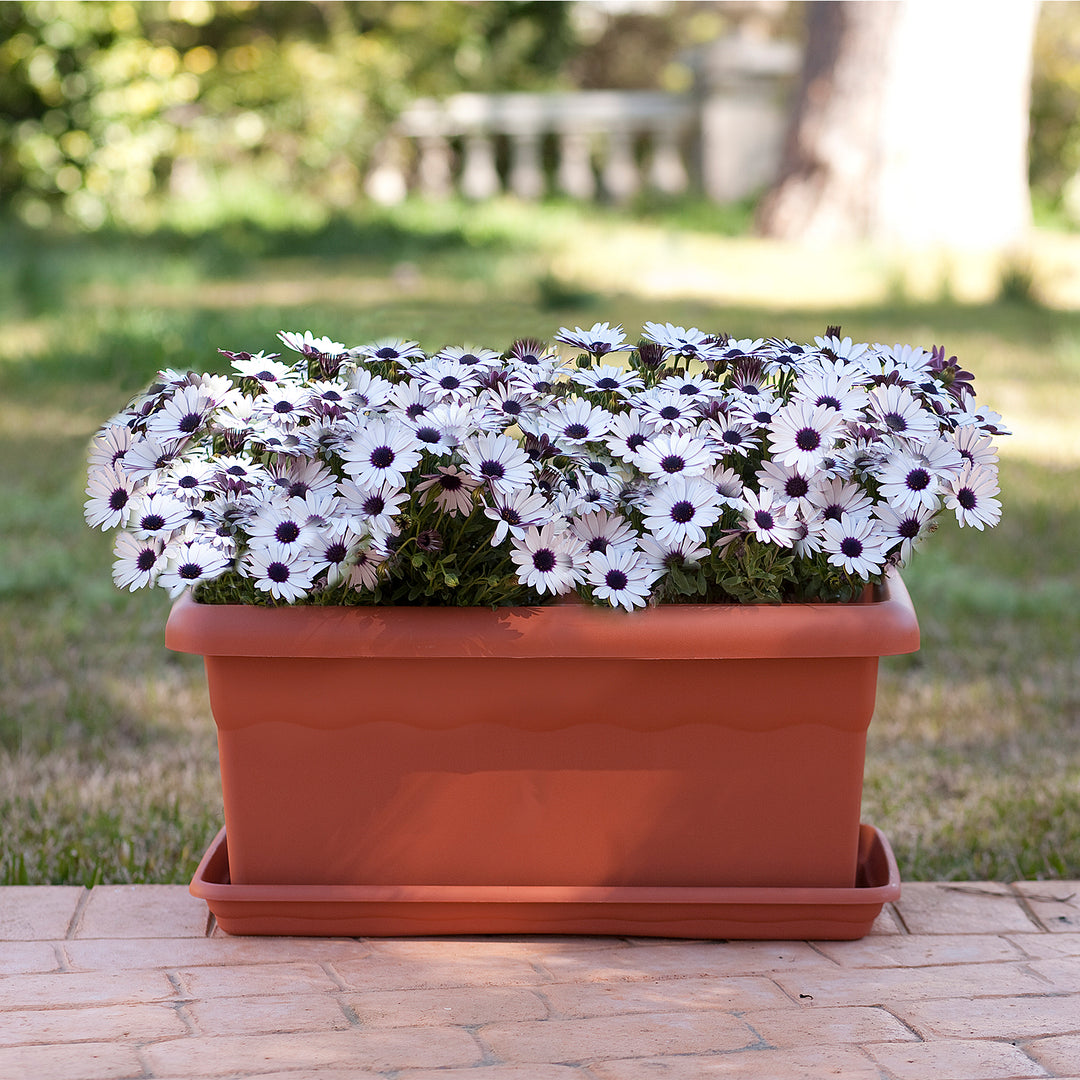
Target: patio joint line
77,915
898,915
1025,907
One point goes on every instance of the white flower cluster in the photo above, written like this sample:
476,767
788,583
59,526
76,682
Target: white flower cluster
631,473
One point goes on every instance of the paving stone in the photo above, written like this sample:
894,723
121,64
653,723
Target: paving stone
501,1072
977,907
375,1051
811,1063
84,988
955,1060
267,1014
24,957
306,1074
1048,946
463,1006
127,1022
923,951
1061,1055
381,972
880,986
733,994
142,911
37,912
81,1061
130,955
1056,904
791,1028
247,980
1006,1018
683,959
1061,974
587,1041
886,923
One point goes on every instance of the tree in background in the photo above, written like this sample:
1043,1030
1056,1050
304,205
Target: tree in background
911,126
105,106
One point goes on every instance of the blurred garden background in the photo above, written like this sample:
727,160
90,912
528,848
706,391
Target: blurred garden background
186,176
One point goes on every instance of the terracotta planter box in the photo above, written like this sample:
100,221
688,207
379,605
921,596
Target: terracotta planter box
565,746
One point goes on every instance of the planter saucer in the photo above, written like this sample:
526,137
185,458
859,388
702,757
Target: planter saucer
750,913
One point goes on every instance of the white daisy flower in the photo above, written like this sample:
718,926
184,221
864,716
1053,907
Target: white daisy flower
504,405
498,461
182,415
899,415
666,410
621,576
769,518
444,426
833,496
627,434
298,477
156,515
974,446
802,434
262,368
450,380
675,453
284,404
676,551
607,379
970,496
189,561
308,345
109,445
381,452
283,571
334,550
791,483
137,562
469,356
575,421
601,530
908,482
284,524
855,543
903,529
392,350
683,507
734,434
451,488
600,339
151,455
548,560
728,484
681,341
375,508
690,386
835,384
110,490
367,390
514,511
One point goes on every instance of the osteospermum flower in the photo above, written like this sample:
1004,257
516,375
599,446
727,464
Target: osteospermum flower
970,496
374,507
110,490
908,480
391,350
182,415
333,550
677,453
627,434
899,415
262,368
903,529
156,514
602,530
469,356
282,571
769,518
109,445
855,543
515,511
680,341
607,379
683,507
449,379
188,562
498,461
575,421
451,488
600,339
802,434
548,560
138,562
791,483
310,345
666,410
381,452
621,576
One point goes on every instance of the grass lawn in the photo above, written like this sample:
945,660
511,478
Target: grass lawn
107,756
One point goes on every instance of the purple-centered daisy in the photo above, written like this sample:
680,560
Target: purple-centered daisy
548,559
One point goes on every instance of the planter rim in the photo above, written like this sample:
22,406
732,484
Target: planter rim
883,625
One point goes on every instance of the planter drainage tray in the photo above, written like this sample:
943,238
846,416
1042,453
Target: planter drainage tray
767,913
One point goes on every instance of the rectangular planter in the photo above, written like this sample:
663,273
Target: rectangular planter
565,746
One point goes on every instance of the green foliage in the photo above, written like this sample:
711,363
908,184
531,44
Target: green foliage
135,113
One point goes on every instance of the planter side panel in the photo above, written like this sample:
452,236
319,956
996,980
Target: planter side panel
543,771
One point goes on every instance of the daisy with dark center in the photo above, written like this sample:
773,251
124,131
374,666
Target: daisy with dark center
621,576
903,530
368,390
183,415
598,341
835,384
156,515
802,434
676,552
514,512
298,477
627,434
364,566
190,480
975,447
188,562
285,572
607,379
411,399
333,552
138,562
237,473
682,507
504,405
602,530
832,496
769,518
575,421
689,387
450,488
449,380
261,367
910,479
374,509
109,445
381,452
150,455
285,524
855,543
390,350
898,414
548,560
734,434
443,427
674,454
727,484
469,356
970,496
666,410
110,490
308,345
679,341
497,461
283,405
528,352
792,484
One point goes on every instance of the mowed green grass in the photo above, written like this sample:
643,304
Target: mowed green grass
108,766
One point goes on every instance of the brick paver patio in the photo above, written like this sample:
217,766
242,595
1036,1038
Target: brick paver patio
957,982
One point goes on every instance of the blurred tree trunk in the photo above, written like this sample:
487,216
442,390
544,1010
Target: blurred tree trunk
910,126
